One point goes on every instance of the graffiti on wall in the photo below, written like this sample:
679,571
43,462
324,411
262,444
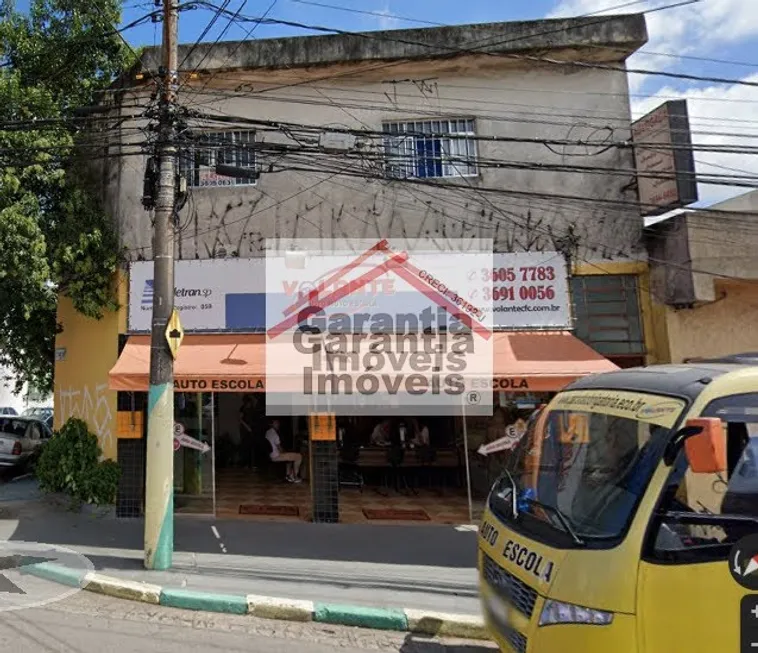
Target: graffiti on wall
91,406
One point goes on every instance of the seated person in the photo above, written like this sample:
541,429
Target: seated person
380,437
293,460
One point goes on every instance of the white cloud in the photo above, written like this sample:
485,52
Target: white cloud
705,24
701,29
386,20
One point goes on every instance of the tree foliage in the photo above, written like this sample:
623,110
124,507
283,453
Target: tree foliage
54,233
72,462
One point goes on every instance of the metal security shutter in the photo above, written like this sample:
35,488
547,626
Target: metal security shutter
607,312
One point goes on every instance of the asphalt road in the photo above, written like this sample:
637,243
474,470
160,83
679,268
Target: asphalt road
89,622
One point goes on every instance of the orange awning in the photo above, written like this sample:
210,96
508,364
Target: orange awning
205,363
543,361
523,361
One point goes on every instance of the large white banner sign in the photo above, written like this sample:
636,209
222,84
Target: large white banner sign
210,295
530,290
389,327
524,291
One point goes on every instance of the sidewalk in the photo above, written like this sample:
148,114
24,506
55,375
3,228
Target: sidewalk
419,567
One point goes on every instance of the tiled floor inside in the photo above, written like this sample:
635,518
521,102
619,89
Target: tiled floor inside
239,487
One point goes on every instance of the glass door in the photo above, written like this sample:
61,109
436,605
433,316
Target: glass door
194,439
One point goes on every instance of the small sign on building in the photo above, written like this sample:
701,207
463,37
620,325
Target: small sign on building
174,333
664,160
322,427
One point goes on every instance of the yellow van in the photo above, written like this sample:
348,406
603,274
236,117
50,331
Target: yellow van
613,527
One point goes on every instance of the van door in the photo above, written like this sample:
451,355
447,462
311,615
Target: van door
687,598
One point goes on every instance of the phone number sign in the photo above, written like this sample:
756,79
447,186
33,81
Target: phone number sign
527,290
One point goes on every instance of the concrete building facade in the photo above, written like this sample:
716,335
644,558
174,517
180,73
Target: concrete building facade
383,80
704,273
540,163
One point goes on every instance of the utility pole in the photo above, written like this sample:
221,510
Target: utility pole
159,484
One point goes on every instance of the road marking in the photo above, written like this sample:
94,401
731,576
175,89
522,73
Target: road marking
218,537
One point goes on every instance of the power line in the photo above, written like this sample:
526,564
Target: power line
121,36
543,204
523,57
433,88
379,14
446,110
490,190
255,212
363,176
498,209
454,112
218,12
277,125
478,164
597,244
542,197
221,35
248,35
412,133
580,212
563,198
484,42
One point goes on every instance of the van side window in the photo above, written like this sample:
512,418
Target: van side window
703,515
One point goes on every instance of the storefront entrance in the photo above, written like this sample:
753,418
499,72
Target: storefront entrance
364,469
194,473
408,470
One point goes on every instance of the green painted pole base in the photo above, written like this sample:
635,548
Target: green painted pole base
159,484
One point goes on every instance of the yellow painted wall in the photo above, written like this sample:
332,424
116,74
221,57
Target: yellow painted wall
652,314
81,378
727,326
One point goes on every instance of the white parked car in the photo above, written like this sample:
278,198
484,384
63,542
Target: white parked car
44,414
20,437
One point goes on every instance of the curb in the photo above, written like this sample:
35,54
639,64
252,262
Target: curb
57,573
420,622
352,615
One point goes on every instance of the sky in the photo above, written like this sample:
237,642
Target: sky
709,38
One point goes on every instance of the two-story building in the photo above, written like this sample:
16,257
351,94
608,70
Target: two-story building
515,132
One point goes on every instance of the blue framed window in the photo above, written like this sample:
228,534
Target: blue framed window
428,149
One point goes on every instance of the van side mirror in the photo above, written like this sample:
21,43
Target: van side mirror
704,441
706,450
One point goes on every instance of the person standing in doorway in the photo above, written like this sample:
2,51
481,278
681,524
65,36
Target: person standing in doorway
248,417
293,460
421,435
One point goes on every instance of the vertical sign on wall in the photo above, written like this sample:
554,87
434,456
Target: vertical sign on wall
663,157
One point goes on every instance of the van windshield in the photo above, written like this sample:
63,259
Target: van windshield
585,462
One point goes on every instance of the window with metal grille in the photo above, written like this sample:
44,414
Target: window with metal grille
607,313
232,148
430,148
